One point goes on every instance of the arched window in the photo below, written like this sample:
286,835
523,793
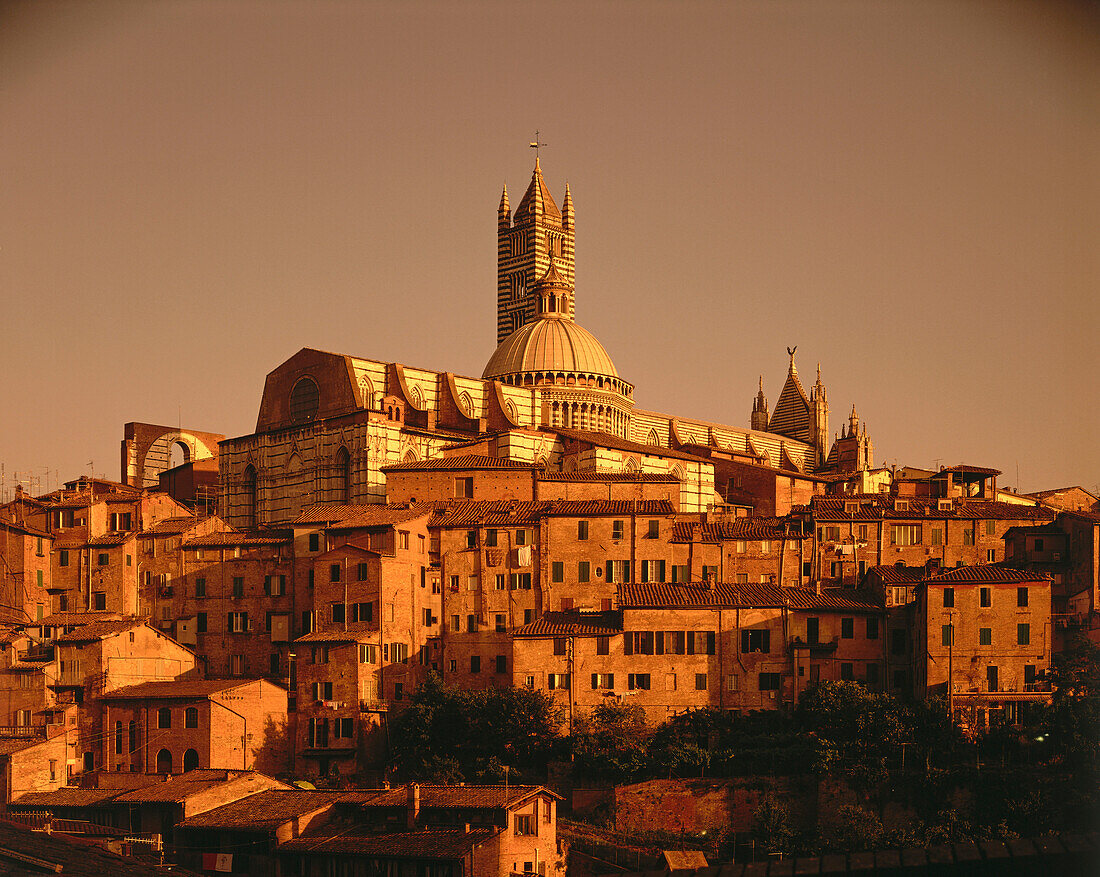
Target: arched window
190,760
120,739
343,475
249,492
305,399
164,761
164,717
191,719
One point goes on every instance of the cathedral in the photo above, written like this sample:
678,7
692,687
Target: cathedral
549,396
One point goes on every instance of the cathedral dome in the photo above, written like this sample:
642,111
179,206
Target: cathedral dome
550,344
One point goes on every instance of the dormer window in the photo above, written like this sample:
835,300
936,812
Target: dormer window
901,505
945,505
851,508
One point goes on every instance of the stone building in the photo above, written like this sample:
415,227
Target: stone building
550,397
983,636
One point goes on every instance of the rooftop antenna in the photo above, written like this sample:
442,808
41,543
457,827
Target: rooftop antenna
536,144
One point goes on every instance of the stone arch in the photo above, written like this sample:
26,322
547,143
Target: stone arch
249,498
653,438
147,450
164,761
366,390
416,398
677,472
410,456
343,475
466,403
190,760
631,465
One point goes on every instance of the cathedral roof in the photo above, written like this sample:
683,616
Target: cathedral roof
537,195
550,344
792,416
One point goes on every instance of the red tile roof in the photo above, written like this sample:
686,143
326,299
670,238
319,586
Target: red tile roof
109,539
181,786
170,526
73,857
181,688
338,636
897,574
430,843
94,630
588,508
64,619
574,624
986,573
263,811
616,477
752,529
381,516
327,512
880,507
492,513
658,595
437,796
466,461
218,540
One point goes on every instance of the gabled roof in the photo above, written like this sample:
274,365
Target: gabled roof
94,630
429,843
574,624
170,527
338,636
489,513
753,529
179,787
328,512
438,796
986,573
897,574
73,857
466,461
601,507
65,619
189,689
382,516
263,811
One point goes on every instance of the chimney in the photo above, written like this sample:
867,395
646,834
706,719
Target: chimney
466,828
412,807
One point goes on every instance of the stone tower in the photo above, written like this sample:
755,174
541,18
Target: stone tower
760,410
537,235
820,402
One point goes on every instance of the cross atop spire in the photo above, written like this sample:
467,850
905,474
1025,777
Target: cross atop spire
535,144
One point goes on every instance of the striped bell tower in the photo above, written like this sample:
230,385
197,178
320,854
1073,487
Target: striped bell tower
527,242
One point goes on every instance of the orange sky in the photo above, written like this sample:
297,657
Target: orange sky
192,191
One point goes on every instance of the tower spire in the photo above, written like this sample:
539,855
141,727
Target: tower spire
504,217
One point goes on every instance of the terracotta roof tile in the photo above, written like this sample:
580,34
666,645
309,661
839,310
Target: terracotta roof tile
67,796
263,811
466,461
433,843
751,529
179,688
94,630
328,512
110,539
574,624
609,476
897,574
603,440
602,507
436,796
338,636
986,573
181,786
492,513
218,540
70,856
171,526
878,507
744,595
64,619
381,516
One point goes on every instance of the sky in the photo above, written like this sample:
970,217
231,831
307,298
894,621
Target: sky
909,192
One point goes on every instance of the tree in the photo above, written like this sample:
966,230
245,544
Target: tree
772,826
448,734
611,742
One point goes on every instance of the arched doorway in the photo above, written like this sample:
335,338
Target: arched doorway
164,761
190,760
